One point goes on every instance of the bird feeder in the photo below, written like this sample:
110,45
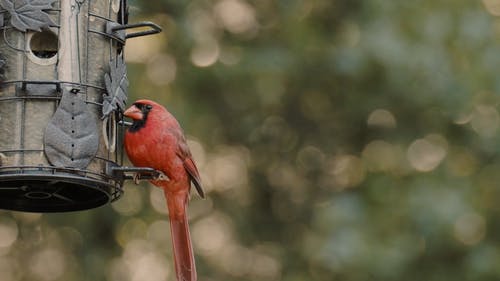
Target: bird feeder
63,86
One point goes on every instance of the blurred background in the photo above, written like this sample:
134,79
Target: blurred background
336,139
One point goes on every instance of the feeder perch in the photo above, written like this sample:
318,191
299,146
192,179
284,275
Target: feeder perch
63,87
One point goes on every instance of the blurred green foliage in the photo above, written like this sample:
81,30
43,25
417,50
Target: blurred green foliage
337,140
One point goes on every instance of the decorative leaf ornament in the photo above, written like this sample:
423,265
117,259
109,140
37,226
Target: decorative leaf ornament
28,14
116,86
71,138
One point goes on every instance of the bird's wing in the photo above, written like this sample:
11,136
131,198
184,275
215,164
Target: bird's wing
185,154
195,176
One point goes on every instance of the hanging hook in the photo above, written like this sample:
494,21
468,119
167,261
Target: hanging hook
118,30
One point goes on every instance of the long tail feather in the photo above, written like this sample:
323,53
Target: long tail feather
185,267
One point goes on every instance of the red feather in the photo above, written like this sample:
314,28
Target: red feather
156,140
195,176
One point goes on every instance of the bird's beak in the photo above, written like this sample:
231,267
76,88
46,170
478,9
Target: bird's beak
133,112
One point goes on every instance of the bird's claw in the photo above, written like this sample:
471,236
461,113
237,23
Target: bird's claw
159,177
136,178
162,177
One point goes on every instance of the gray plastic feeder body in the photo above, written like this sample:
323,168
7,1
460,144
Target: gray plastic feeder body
63,86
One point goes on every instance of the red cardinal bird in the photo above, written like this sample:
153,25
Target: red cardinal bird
156,140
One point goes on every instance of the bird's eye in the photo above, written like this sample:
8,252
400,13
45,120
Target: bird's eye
148,107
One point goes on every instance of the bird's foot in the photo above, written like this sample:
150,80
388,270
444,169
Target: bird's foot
162,177
136,178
